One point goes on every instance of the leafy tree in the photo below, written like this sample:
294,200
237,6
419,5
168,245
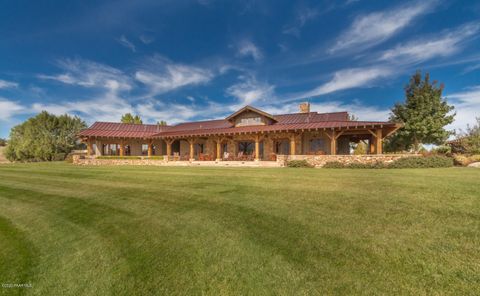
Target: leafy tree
162,123
129,118
424,113
360,149
3,142
44,137
468,141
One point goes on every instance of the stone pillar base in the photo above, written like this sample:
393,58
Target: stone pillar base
191,159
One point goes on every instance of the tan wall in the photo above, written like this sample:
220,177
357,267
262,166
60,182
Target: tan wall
321,160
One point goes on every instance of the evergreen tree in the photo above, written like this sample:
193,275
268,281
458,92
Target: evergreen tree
424,113
129,118
162,123
44,137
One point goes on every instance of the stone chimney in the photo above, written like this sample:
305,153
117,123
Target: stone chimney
304,107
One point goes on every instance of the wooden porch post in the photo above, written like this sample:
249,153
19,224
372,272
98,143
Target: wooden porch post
292,145
378,141
122,147
333,144
257,148
219,150
169,147
192,151
371,146
89,147
150,149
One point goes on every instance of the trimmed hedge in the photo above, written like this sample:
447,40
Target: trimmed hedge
402,163
118,157
299,164
155,157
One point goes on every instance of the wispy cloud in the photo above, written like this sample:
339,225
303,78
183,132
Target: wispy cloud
250,91
247,48
349,78
446,44
9,108
90,75
467,106
162,75
371,29
7,84
302,16
127,43
146,39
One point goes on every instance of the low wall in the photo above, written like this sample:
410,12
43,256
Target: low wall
79,160
321,160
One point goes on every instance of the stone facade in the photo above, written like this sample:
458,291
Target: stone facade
321,160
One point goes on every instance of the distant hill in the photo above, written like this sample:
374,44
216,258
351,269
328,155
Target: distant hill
2,157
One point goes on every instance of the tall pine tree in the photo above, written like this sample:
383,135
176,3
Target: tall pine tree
424,113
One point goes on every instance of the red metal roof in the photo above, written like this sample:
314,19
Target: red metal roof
284,122
122,130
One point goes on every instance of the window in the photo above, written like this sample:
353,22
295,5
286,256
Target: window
250,121
144,149
317,145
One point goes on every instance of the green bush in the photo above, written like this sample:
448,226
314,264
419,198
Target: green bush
334,165
299,164
118,157
406,162
422,162
155,157
464,160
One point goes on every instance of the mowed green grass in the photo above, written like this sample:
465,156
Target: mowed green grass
72,230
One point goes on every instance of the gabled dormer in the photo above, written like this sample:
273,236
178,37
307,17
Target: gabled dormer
248,116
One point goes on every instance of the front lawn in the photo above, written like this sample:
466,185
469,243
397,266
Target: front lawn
69,230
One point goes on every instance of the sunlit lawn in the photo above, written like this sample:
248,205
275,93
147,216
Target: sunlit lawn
71,230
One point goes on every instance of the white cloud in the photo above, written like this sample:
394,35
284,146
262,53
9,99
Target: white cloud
372,29
146,39
349,78
467,107
127,43
7,84
9,109
248,48
423,49
162,75
303,15
90,75
362,111
250,91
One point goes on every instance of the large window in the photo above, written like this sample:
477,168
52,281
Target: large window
317,145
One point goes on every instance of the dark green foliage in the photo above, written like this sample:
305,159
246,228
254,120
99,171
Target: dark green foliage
162,123
129,118
468,142
402,163
3,142
299,164
425,114
45,137
119,157
160,157
422,162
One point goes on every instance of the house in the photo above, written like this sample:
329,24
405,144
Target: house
248,134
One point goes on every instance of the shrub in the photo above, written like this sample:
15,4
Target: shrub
443,150
155,157
422,162
406,162
118,157
464,160
299,164
334,165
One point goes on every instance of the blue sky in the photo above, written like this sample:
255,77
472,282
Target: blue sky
191,60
